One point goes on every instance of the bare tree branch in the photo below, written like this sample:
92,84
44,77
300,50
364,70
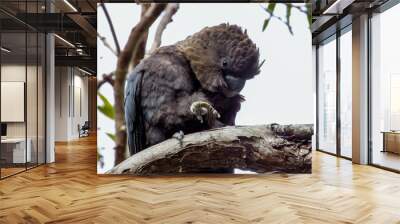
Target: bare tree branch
107,78
106,44
103,6
121,71
169,12
141,49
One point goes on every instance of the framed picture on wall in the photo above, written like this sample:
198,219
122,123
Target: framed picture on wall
206,94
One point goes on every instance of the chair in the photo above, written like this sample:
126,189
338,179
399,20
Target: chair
84,130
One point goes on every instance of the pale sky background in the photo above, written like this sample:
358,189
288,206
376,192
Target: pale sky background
283,91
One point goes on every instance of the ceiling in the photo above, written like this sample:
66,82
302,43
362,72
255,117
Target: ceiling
74,22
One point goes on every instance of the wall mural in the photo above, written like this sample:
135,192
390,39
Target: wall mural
200,97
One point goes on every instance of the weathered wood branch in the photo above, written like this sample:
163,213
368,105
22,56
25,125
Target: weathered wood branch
263,148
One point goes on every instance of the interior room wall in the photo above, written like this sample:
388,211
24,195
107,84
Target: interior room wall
71,102
61,104
80,110
16,72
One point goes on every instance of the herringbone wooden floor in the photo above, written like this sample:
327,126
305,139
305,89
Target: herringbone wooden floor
69,191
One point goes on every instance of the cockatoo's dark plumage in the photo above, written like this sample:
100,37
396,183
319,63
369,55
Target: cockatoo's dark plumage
191,86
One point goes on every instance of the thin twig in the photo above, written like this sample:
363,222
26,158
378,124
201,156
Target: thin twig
106,44
169,12
286,21
107,78
103,6
300,8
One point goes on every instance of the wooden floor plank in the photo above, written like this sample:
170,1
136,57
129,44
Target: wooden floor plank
70,191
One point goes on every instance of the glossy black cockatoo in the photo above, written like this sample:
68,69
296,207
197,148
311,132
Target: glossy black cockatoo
190,86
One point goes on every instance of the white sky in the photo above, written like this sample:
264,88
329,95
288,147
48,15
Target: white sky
281,93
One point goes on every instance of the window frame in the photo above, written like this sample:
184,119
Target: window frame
378,10
29,29
334,37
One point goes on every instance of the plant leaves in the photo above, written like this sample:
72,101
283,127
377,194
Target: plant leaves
289,8
288,14
112,136
309,13
266,21
271,7
107,109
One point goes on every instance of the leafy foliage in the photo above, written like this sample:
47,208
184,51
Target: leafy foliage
270,9
107,109
288,14
112,136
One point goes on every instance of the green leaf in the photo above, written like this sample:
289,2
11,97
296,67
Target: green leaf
266,21
270,9
288,14
112,136
107,109
309,13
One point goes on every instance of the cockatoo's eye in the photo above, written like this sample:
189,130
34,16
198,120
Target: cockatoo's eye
224,63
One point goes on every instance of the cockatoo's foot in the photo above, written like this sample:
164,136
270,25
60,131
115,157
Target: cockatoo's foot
203,110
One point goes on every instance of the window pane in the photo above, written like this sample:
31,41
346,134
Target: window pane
41,98
346,94
327,96
386,89
14,153
31,97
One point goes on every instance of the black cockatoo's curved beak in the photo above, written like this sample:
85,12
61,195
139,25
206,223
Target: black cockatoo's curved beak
235,85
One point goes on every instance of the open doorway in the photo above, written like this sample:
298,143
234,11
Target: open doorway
75,101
